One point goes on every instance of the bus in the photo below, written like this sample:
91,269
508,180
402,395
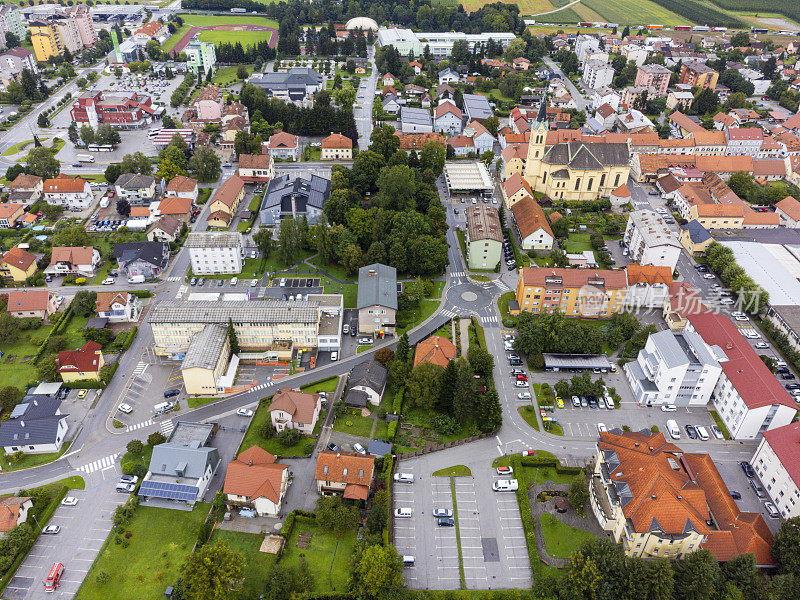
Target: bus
84,158
53,580
683,27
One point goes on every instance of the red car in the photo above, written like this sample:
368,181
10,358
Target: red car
111,193
522,377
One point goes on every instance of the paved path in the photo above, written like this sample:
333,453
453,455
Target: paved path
555,10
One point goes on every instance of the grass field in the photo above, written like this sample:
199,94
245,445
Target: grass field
353,423
256,564
634,12
327,555
207,20
526,7
561,540
245,38
179,33
141,572
227,76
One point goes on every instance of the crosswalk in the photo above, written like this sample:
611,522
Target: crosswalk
140,368
448,313
261,386
174,278
167,427
489,320
99,464
147,423
457,274
502,285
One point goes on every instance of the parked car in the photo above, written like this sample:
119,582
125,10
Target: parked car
403,513
576,402
524,395
717,432
125,408
601,427
365,341
736,495
333,447
359,448
521,384
505,485
446,522
504,470
757,488
129,479
244,412
668,408
82,393
771,510
404,477
691,432
171,393
51,530
442,512
193,281
69,501
747,468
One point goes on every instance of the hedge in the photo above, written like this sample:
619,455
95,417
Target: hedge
60,326
391,431
142,293
525,511
540,462
397,403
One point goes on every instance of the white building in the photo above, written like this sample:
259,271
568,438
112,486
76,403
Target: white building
439,43
777,464
673,368
216,252
650,241
73,193
447,118
597,74
747,397
585,45
744,141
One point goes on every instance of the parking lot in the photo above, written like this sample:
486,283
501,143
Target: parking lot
84,528
494,552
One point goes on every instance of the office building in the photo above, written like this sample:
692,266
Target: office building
201,57
438,43
574,292
213,253
129,110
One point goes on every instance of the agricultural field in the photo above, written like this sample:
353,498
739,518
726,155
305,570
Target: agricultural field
634,12
790,10
526,7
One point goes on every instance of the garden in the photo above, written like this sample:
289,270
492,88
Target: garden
256,563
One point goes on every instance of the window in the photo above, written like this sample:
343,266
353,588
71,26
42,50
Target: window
616,180
589,186
577,184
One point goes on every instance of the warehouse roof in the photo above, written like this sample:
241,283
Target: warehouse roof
205,348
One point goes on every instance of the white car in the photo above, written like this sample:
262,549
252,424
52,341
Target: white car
521,384
403,513
254,283
334,356
524,395
740,318
404,477
244,412
234,281
51,530
108,281
762,345
708,276
737,313
751,335
359,448
668,408
365,341
125,408
505,485
601,427
69,501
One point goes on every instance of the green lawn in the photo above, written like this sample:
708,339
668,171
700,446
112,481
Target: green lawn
718,421
412,318
227,75
538,475
353,423
18,147
561,540
577,242
333,269
455,471
528,412
245,38
175,38
256,563
32,460
162,539
327,385
327,555
206,20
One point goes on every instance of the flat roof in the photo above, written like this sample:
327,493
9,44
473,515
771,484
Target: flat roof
187,433
264,311
576,361
467,176
652,228
772,267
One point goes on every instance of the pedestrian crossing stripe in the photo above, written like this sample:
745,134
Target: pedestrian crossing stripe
448,313
140,368
489,319
167,427
139,425
99,464
458,274
174,278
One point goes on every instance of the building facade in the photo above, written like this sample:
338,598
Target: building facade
777,464
574,292
201,57
213,253
650,241
484,237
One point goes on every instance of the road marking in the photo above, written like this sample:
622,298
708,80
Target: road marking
167,427
140,368
139,425
100,463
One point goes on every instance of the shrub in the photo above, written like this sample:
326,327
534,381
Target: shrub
103,577
445,425
391,431
267,430
156,438
288,437
81,281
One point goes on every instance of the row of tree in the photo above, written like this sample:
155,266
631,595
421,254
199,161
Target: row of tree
751,296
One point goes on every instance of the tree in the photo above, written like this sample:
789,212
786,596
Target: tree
168,169
211,572
234,341
289,243
696,576
366,168
397,186
432,157
42,121
263,241
42,162
135,447
9,397
47,369
155,438
72,236
352,259
480,360
153,49
112,172
136,163
333,515
377,570
123,207
578,492
706,102
12,41
422,385
784,550
107,136
87,134
740,40
72,133
84,302
205,165
464,399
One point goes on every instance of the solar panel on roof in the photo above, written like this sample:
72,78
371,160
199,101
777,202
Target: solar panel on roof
169,491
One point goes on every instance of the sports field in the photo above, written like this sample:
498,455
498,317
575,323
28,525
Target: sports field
207,20
245,38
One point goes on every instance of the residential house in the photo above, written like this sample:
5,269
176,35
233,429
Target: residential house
390,105
17,265
73,193
777,463
74,260
294,409
448,76
744,141
447,118
388,79
481,138
477,107
659,501
788,211
436,350
254,480
182,467
575,292
9,214
679,100
136,188
648,286
296,197
597,74
695,238
366,383
142,258
283,146
336,147
36,425
514,189
24,304
462,145
228,197
26,189
256,168
14,511
345,474
682,126
650,241
484,237
172,206
415,120
530,224
212,253
183,187
166,229
118,307
377,299
84,363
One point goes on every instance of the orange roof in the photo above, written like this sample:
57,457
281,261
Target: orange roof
416,141
84,360
281,139
447,107
514,184
19,258
719,210
8,210
74,255
436,350
703,137
648,274
140,211
684,122
336,140
229,190
220,215
676,143
175,205
9,511
300,405
182,184
345,467
254,474
790,206
151,28
574,278
753,217
622,192
530,217
27,300
64,184
25,182
105,300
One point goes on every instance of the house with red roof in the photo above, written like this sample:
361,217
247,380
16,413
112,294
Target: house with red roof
345,474
254,480
84,363
14,511
436,350
293,409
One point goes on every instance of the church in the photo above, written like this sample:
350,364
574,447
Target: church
576,170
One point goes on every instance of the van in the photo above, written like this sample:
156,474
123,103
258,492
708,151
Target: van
163,407
53,580
505,485
702,433
674,430
408,561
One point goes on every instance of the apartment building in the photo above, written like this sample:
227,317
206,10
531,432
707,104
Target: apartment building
597,73
201,57
673,368
256,168
127,110
531,225
650,241
747,396
11,21
658,501
575,292
777,464
82,17
743,141
52,34
376,300
14,61
586,45
695,73
212,253
265,329
336,147
73,193
282,145
655,76
484,237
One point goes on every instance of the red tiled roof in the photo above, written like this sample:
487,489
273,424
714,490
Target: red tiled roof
648,274
436,350
25,182
19,258
105,300
64,184
84,360
27,300
175,205
74,255
300,405
182,184
572,278
345,467
282,139
335,140
790,206
8,210
254,474
9,511
530,217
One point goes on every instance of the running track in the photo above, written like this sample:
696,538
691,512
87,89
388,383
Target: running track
184,41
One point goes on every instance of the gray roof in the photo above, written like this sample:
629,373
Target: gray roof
155,253
377,284
182,461
477,106
27,432
214,239
297,78
697,233
580,155
206,347
379,447
305,192
417,116
356,398
580,361
36,406
369,373
250,311
134,181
